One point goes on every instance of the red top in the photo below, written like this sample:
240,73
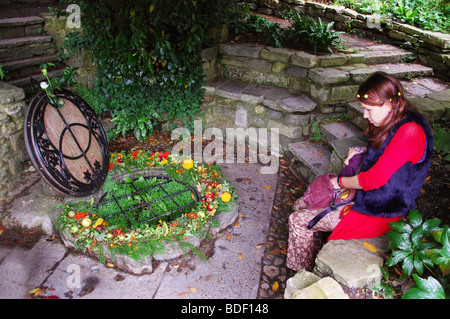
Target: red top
407,145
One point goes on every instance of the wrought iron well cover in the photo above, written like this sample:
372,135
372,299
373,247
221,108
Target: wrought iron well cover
141,201
67,145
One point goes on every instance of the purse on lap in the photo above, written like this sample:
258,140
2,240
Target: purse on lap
322,194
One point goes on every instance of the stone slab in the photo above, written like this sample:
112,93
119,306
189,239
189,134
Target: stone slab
20,21
298,103
254,93
315,156
401,70
339,130
325,288
328,76
350,262
245,50
300,280
23,270
274,96
232,89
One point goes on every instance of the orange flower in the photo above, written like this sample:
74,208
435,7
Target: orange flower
134,154
79,215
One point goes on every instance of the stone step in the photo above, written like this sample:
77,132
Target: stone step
357,73
308,160
385,53
29,66
25,82
339,130
26,47
21,27
404,71
278,99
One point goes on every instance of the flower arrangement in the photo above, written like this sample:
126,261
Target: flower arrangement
92,231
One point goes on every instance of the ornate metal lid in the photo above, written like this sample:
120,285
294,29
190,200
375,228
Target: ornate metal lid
67,144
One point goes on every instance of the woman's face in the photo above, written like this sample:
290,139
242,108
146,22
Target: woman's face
376,114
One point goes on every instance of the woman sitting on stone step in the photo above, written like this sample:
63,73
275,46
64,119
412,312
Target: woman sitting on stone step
393,171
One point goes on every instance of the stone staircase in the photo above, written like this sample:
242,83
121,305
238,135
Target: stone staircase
23,48
298,93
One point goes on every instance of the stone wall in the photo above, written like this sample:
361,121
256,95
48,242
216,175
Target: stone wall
81,59
432,48
12,149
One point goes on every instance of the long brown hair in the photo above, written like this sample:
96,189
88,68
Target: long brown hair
382,88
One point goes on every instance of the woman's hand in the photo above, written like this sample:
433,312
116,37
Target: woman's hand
352,151
334,182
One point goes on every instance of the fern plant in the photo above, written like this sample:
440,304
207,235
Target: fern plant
319,35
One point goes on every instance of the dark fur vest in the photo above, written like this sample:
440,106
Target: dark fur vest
398,196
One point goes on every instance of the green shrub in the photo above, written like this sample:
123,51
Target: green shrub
442,140
147,56
319,35
426,14
422,248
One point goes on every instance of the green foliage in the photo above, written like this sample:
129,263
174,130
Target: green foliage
319,35
2,73
147,57
422,248
442,140
426,14
273,31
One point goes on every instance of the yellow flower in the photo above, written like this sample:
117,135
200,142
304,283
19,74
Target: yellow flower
44,71
188,164
98,222
163,162
226,197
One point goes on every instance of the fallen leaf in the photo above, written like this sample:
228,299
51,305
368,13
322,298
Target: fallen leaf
181,294
36,292
192,289
275,207
240,256
398,271
248,179
260,245
267,187
370,246
229,236
275,286
110,265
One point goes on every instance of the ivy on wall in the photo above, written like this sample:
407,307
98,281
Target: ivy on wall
147,56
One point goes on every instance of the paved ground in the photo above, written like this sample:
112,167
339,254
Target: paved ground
232,272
